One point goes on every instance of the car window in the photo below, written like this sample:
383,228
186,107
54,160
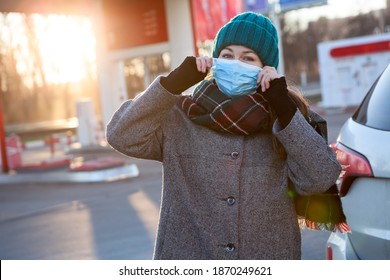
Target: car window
374,111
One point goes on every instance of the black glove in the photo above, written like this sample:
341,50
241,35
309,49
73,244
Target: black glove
278,98
183,77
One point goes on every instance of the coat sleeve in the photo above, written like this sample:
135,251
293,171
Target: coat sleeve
135,128
312,164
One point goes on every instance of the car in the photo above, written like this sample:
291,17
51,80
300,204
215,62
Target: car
363,150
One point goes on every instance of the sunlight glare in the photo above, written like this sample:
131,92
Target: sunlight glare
67,46
50,49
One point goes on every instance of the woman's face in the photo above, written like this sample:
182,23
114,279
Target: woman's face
241,53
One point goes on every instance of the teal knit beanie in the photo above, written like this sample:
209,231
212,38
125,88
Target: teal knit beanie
253,31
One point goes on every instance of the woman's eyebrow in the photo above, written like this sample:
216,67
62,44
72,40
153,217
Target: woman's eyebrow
245,52
249,52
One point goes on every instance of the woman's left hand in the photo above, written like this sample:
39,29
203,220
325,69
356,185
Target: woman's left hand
266,76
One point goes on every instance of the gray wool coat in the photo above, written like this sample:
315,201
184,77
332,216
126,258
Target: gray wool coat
224,196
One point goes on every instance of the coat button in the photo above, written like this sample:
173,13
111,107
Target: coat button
231,200
230,248
234,155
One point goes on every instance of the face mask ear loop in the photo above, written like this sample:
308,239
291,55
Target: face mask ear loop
213,66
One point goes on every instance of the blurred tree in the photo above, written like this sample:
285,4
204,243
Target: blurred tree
300,46
34,88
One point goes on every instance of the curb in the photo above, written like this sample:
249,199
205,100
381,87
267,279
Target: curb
106,175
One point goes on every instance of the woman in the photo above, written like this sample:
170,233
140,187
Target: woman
228,151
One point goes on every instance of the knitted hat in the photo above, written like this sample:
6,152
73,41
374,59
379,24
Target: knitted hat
253,31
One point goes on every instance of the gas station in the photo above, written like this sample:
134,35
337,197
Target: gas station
139,34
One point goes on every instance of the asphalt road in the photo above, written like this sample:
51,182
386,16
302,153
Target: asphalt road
115,220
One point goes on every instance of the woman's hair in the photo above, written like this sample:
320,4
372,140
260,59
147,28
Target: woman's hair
303,106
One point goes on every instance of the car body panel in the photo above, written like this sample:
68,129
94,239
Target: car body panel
341,246
370,225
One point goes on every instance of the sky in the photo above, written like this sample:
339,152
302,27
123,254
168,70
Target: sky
335,9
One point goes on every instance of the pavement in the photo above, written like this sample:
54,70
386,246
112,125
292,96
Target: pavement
51,212
318,107
68,164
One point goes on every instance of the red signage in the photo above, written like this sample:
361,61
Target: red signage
134,23
210,15
383,46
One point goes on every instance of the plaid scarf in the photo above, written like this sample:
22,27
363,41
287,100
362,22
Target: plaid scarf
241,115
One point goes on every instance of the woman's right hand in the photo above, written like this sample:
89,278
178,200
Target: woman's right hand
190,72
204,63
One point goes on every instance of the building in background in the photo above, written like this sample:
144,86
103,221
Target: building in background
349,67
138,40
150,37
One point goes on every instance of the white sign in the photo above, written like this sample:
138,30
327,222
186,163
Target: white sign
349,67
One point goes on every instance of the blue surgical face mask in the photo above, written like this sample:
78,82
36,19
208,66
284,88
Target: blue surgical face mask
235,78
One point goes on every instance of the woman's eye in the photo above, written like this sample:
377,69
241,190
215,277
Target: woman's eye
248,58
226,55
